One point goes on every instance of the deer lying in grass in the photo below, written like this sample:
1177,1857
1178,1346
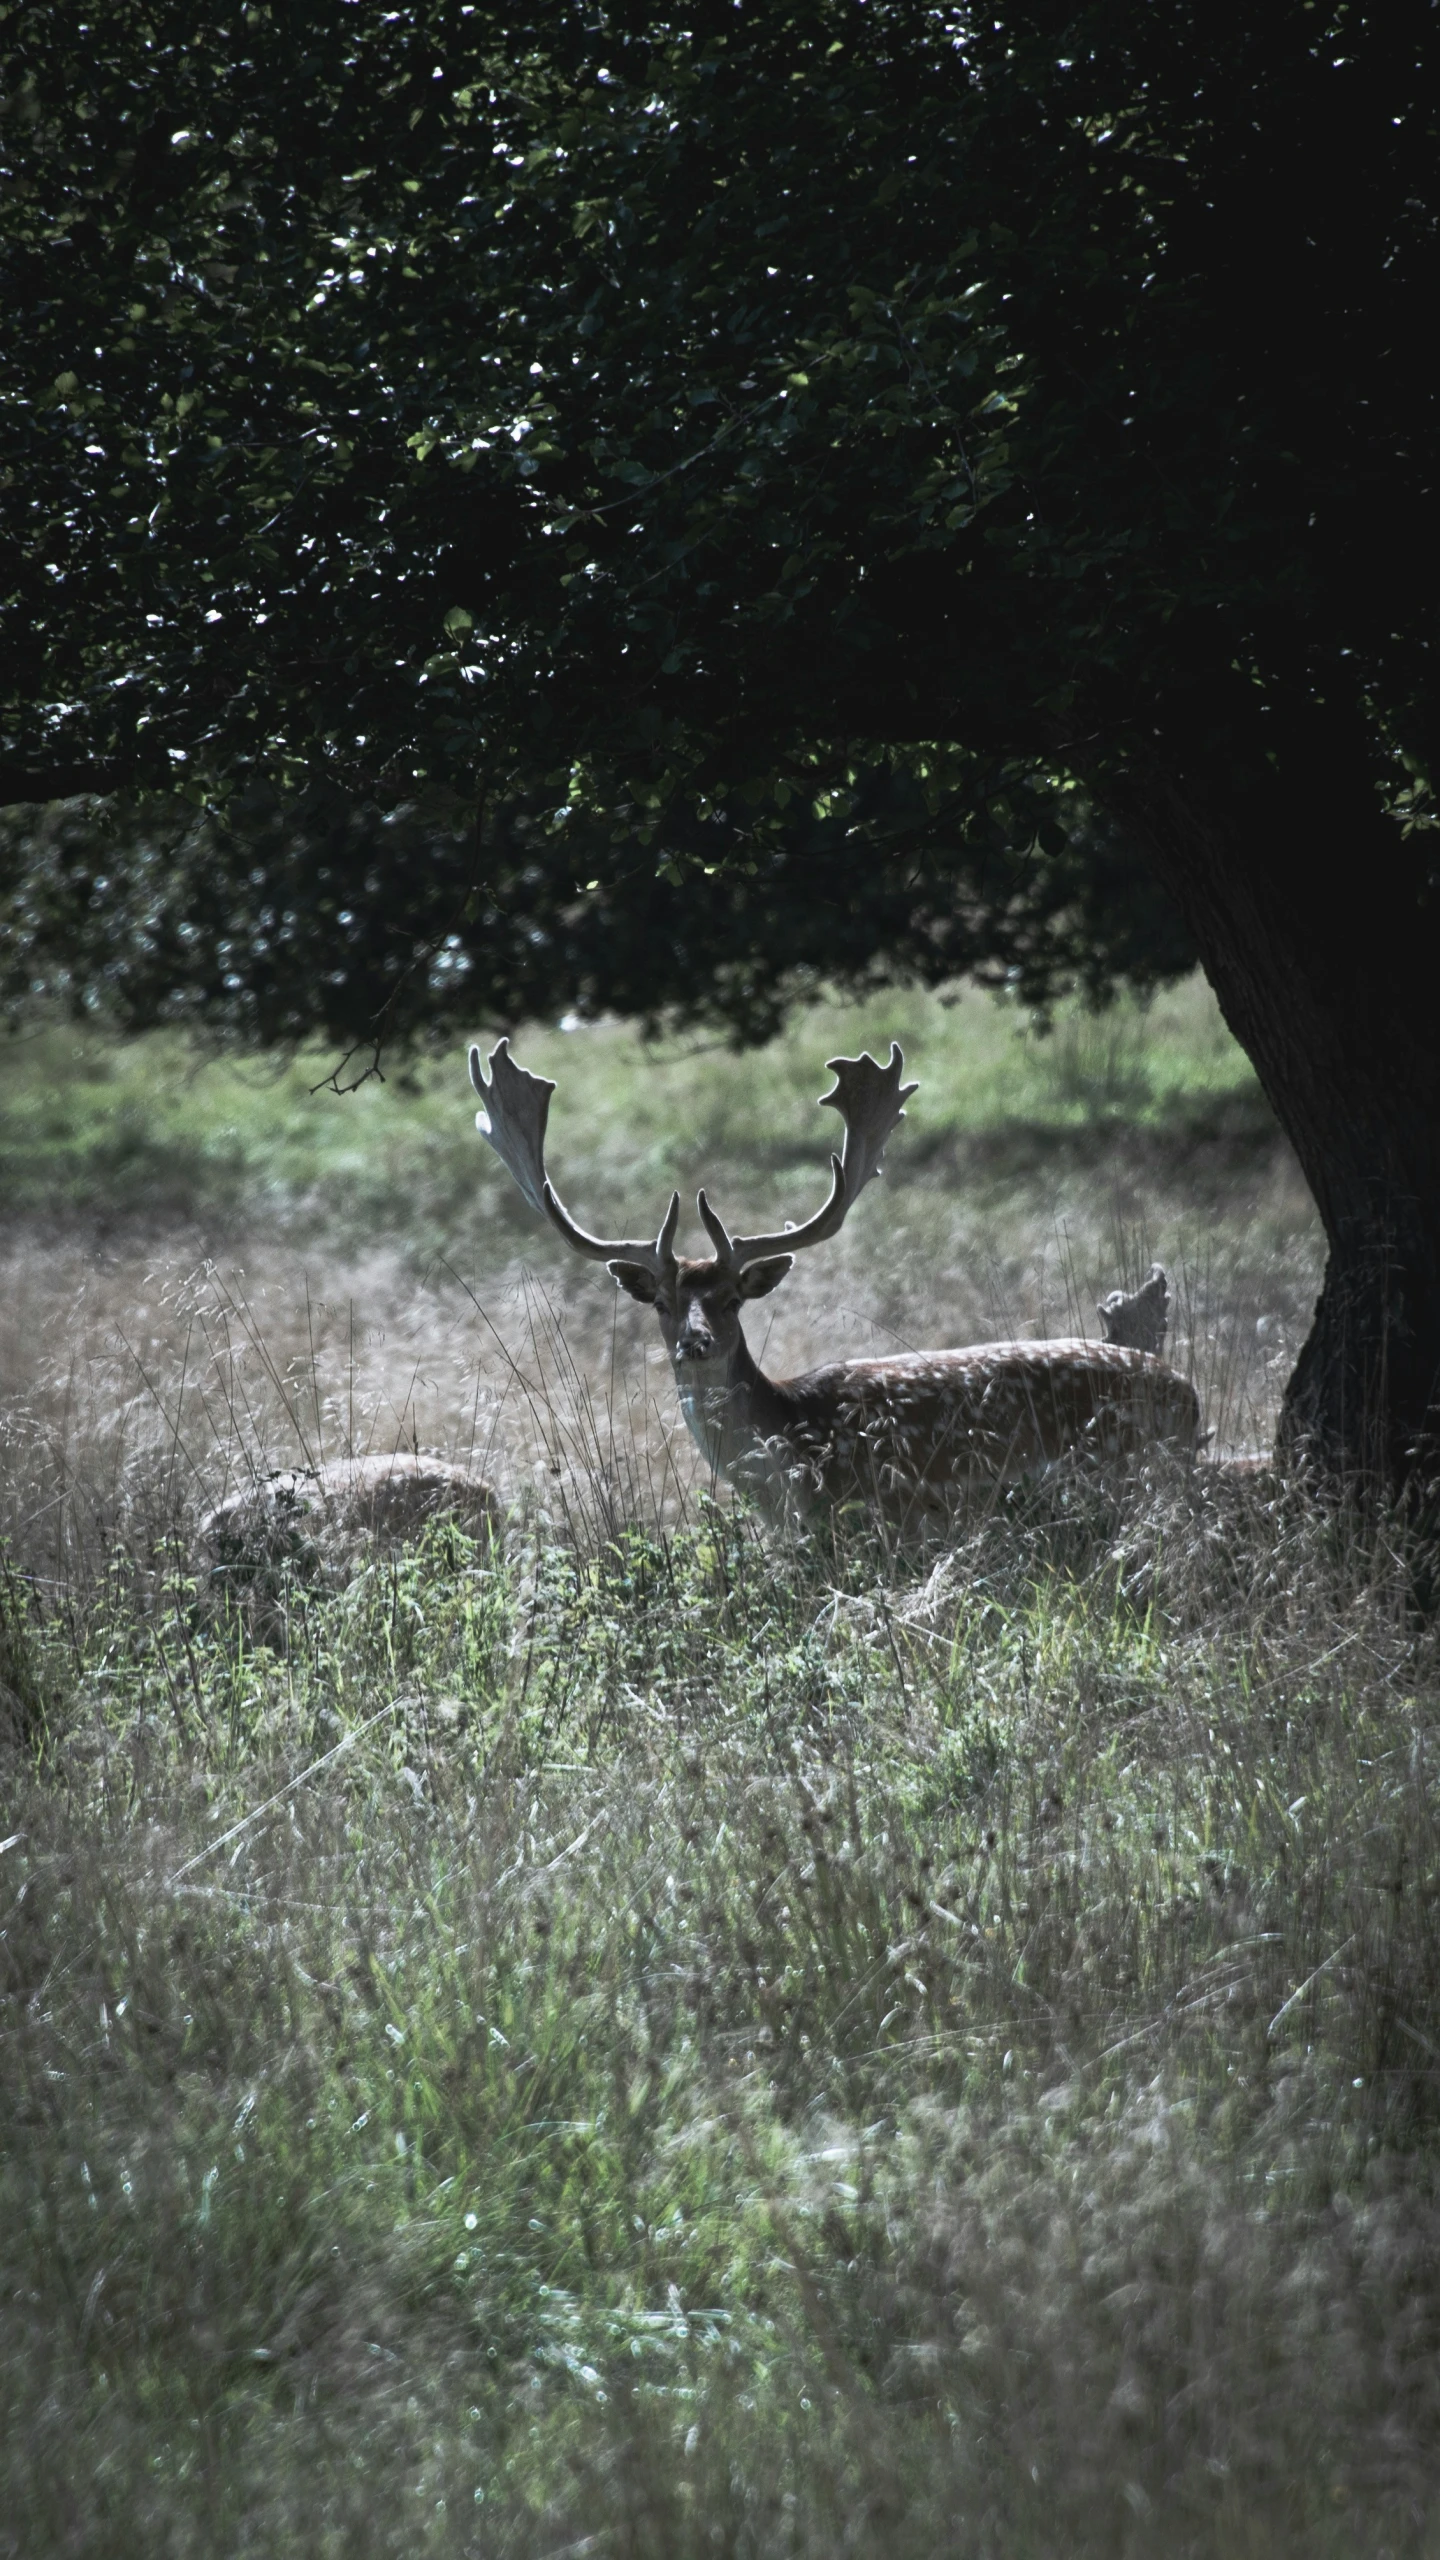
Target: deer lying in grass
907,1433
306,1523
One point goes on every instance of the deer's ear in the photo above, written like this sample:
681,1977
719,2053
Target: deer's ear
759,1278
635,1280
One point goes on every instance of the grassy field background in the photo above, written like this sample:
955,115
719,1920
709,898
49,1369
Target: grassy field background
211,1258
663,2040
159,1131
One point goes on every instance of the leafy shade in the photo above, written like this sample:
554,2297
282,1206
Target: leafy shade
276,918
445,393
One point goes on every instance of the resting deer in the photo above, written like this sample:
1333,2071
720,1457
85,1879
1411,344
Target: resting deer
305,1524
906,1433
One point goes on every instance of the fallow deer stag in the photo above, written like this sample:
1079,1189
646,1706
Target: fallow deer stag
907,1434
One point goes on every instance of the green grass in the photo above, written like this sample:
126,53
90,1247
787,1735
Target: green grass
159,1131
666,2042
664,2045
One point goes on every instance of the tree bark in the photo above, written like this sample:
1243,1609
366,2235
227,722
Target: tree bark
1316,930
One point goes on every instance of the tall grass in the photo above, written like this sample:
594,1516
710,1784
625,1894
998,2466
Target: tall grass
667,2040
664,2042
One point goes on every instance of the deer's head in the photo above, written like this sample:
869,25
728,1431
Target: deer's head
698,1303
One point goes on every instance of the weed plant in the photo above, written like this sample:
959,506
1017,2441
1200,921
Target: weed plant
667,2041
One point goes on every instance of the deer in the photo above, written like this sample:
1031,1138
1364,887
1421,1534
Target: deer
309,1524
907,1434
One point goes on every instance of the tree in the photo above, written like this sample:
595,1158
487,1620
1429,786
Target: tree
275,917
1018,419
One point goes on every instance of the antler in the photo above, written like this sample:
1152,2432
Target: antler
517,1106
870,1099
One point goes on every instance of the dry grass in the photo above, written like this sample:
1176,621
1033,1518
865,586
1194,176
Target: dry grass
320,1303
677,2043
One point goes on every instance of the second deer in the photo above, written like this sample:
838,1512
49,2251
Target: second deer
907,1434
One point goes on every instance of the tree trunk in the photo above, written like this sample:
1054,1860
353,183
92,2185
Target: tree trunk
1312,919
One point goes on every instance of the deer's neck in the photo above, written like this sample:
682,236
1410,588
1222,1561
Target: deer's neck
738,1418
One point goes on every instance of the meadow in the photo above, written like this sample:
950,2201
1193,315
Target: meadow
663,2038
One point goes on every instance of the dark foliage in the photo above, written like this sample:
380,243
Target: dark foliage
278,918
452,391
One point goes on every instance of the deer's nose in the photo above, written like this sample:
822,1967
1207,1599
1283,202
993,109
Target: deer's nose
694,1341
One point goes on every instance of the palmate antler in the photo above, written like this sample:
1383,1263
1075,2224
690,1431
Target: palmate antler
517,1106
870,1100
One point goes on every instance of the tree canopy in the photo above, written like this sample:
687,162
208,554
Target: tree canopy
278,917
455,391
993,451
280,527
